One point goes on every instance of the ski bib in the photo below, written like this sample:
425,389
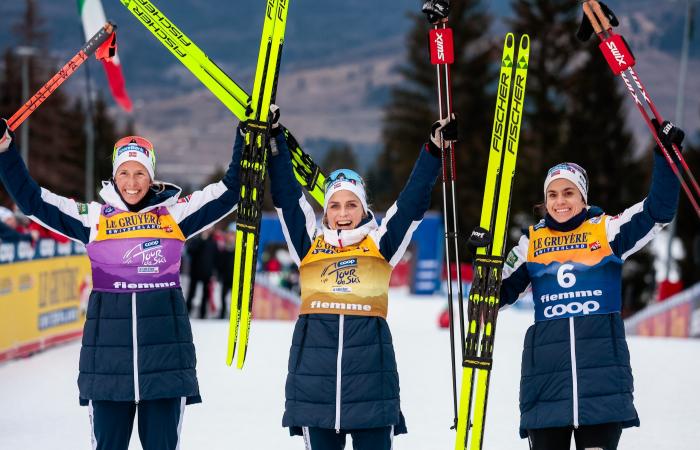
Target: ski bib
573,273
345,280
136,252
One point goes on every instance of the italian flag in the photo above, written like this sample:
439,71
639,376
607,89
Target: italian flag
93,17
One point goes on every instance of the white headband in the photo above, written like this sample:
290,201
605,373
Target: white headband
568,171
344,185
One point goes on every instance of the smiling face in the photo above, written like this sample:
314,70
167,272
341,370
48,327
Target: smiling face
564,200
344,211
132,181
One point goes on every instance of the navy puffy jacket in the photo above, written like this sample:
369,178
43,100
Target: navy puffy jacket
599,387
368,378
160,332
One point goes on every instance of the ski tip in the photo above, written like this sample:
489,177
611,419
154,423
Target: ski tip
510,40
525,42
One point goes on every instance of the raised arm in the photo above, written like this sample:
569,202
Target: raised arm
205,207
60,214
404,216
636,226
296,215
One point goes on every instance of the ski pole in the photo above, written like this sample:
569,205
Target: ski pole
97,44
621,61
441,56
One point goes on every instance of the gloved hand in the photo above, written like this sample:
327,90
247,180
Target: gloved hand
585,30
442,133
274,120
669,134
5,136
275,128
479,237
436,10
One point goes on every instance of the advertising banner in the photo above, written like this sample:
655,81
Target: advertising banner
42,303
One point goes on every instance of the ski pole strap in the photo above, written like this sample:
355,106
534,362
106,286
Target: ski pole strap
441,46
588,11
478,362
601,15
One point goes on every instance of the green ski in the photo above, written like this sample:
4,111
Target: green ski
215,80
484,294
253,170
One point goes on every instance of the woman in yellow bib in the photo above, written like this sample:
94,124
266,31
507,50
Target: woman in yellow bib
342,371
576,374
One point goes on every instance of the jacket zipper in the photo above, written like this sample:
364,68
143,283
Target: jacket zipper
339,368
574,379
134,340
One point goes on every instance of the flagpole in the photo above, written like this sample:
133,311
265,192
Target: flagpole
680,105
25,53
89,139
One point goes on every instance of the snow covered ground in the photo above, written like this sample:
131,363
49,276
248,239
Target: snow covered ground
243,409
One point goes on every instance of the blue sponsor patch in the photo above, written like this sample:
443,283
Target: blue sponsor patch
150,244
347,262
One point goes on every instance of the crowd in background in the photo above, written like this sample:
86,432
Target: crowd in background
208,263
16,227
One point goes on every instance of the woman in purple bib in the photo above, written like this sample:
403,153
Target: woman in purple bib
576,374
137,350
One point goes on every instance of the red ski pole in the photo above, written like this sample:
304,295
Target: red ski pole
102,44
621,61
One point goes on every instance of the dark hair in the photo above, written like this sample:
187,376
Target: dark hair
539,210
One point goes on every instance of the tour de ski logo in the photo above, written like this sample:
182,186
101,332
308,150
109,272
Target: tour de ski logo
341,273
147,255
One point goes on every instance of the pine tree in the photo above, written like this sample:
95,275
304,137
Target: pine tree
598,138
413,108
687,228
576,112
56,130
551,25
339,156
54,160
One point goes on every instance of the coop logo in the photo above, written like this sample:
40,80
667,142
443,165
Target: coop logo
572,308
617,54
342,272
148,254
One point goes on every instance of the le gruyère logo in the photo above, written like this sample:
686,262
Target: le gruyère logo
549,244
148,255
134,222
341,272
